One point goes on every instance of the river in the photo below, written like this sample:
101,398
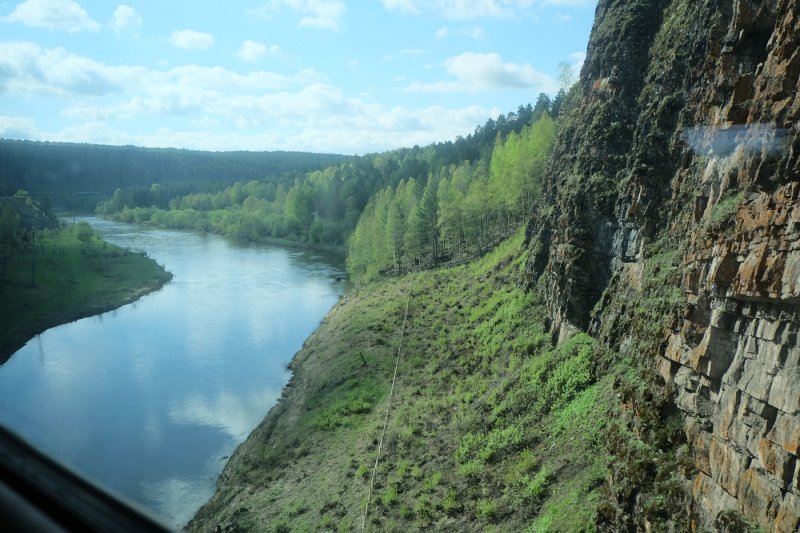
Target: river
149,400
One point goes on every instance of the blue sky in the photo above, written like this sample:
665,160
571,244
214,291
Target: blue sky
316,75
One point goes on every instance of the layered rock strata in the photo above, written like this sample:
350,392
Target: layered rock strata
686,137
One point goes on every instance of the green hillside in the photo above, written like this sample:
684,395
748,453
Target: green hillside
489,424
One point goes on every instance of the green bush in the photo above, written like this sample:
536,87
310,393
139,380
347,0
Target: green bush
389,496
485,510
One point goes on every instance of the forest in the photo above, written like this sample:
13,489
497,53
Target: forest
77,176
436,196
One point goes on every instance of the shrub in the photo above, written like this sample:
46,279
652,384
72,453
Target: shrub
389,496
485,510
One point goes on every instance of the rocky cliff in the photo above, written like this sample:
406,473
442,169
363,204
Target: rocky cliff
675,239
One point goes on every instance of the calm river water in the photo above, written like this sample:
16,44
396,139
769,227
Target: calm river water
150,399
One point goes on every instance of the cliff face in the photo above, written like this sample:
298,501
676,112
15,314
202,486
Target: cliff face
675,236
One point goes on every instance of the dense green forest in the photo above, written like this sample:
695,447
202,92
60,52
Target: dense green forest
78,175
322,207
457,213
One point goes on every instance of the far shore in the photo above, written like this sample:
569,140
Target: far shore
102,303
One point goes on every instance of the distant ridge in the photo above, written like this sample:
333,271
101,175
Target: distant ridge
54,167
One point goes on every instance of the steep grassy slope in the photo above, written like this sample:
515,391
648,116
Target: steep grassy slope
489,425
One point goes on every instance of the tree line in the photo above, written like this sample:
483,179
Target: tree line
455,213
72,175
322,207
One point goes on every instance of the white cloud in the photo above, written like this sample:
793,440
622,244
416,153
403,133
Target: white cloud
326,14
18,128
27,68
478,72
214,108
404,52
570,2
461,9
252,51
472,9
476,9
404,6
475,33
64,15
192,40
316,118
125,18
576,61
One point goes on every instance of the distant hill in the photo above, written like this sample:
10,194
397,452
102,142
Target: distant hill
66,171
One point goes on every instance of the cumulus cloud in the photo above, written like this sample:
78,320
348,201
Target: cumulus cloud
192,40
63,15
477,72
336,132
125,18
252,51
316,118
326,14
27,68
215,108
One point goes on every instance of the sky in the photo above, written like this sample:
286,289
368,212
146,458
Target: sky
329,76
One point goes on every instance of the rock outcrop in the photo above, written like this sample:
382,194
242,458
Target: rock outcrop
676,186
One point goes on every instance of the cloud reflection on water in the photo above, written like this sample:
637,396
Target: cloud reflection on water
149,398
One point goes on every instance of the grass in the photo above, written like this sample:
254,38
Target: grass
74,278
725,208
490,425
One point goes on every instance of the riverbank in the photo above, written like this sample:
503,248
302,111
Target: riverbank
337,249
75,276
489,426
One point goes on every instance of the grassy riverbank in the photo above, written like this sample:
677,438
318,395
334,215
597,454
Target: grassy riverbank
489,427
76,275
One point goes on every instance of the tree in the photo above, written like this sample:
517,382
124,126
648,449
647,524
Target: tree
300,206
83,232
395,229
428,222
9,233
9,230
558,102
543,105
